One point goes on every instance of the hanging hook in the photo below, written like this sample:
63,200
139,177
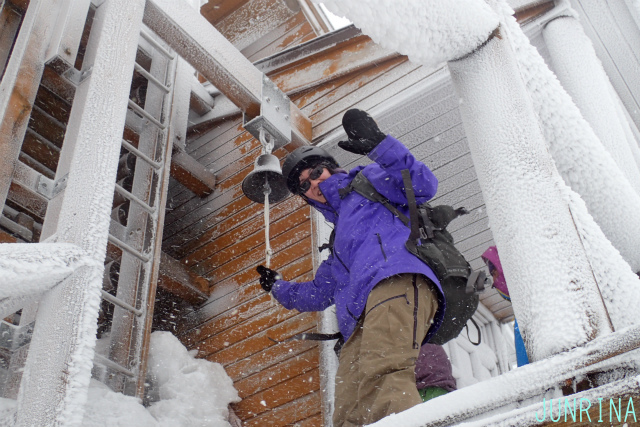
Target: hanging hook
266,140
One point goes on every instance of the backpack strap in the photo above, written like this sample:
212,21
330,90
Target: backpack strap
477,328
329,245
417,232
311,336
315,336
361,185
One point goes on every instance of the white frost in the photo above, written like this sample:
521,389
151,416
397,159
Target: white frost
29,268
428,31
581,159
580,71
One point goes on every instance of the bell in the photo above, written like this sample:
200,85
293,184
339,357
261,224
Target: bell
266,172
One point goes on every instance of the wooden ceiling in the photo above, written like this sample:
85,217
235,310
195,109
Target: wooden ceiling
249,24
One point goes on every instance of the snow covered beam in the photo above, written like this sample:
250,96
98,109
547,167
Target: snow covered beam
177,279
614,29
430,32
576,65
33,268
578,154
213,56
255,19
193,175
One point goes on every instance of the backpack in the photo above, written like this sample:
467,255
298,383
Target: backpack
430,242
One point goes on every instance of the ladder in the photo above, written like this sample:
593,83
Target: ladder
134,249
155,116
108,194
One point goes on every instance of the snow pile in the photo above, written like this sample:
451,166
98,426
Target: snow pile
28,268
106,408
193,393
428,31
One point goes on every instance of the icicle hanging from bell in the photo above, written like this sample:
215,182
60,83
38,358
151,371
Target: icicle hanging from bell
266,172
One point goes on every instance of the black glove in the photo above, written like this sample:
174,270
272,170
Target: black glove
267,277
363,132
461,211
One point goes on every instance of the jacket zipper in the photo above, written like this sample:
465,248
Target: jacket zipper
381,247
387,300
415,313
343,264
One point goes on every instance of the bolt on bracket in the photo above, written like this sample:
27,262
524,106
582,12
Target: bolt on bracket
274,115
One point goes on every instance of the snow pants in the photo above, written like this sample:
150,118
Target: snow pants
376,373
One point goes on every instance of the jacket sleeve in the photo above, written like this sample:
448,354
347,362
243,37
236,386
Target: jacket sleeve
392,157
315,295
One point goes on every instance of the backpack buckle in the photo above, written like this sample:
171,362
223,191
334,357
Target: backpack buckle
423,234
476,282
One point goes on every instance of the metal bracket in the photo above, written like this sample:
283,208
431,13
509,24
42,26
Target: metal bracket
274,115
13,337
49,188
76,77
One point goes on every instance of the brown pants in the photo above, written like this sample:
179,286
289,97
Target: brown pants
376,374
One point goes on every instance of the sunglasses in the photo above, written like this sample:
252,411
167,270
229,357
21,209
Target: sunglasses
304,186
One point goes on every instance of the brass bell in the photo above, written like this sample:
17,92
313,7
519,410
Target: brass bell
266,176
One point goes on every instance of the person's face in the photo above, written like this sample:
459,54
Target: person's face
495,274
309,180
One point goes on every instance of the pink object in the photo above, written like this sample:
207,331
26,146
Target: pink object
491,255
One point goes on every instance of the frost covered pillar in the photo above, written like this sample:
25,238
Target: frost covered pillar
58,367
579,70
553,290
579,155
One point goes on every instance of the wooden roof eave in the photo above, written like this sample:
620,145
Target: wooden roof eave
311,64
533,10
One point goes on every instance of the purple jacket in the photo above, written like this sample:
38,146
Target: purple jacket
433,368
369,240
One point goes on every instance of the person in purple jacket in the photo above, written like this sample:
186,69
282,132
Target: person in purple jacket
388,302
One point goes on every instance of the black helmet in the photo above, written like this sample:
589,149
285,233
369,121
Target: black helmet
303,158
